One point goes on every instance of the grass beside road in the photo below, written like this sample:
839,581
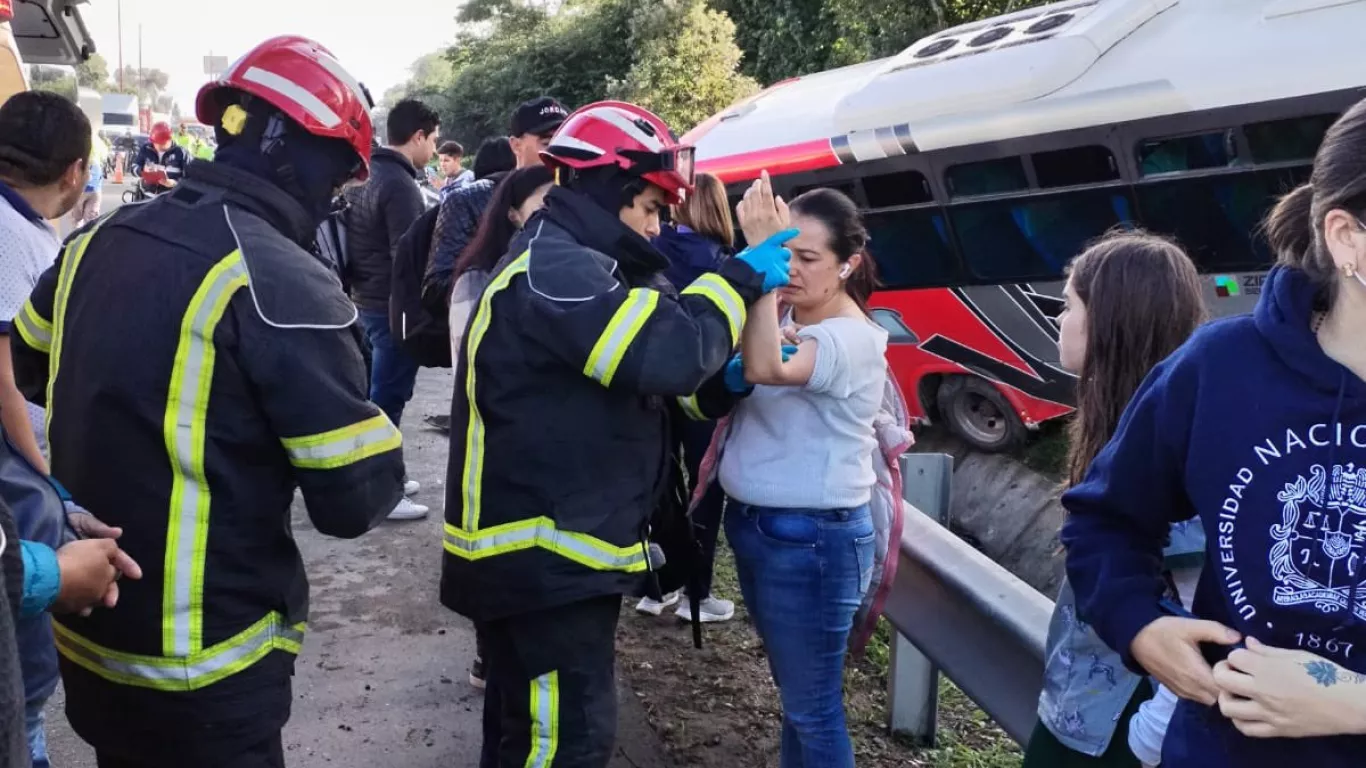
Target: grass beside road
718,707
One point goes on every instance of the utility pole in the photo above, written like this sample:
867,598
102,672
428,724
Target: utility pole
120,45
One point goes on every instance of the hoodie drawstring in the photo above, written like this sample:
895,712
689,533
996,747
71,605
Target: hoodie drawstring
1333,462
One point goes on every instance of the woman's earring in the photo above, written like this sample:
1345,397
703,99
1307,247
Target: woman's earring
1349,270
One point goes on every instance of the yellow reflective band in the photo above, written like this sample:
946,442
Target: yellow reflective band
472,477
71,259
345,446
545,720
621,330
723,295
36,332
189,673
187,405
521,535
690,408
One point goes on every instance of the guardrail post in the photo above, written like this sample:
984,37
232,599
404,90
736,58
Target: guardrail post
912,679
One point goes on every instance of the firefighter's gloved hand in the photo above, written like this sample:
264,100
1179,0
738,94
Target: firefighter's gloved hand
735,372
770,259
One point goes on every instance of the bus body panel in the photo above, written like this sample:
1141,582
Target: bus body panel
1188,118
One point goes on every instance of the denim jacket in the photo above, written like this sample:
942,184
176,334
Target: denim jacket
1086,687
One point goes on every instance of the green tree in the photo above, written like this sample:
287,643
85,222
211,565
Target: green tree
94,73
686,63
56,79
785,38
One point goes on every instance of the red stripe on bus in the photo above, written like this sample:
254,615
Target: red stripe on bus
793,158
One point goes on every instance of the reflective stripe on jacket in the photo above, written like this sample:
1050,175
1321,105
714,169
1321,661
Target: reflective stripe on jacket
569,374
198,365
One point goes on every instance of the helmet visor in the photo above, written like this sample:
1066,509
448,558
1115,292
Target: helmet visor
680,161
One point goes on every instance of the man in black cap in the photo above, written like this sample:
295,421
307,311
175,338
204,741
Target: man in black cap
533,123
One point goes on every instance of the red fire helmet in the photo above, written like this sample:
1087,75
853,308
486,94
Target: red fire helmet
627,136
304,81
160,133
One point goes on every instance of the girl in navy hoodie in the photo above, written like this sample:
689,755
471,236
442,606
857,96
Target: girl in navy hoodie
1258,426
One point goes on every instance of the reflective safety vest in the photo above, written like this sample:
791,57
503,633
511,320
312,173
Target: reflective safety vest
198,365
576,358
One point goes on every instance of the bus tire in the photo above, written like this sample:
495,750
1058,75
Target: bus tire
978,413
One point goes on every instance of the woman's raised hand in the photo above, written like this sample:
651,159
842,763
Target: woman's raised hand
761,214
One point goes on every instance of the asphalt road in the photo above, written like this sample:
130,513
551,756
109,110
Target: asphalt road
383,678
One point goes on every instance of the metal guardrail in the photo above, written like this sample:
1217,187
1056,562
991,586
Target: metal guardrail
964,615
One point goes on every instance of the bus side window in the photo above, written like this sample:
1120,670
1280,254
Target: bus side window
902,188
912,248
1034,238
987,177
1279,141
1075,166
1187,153
1216,218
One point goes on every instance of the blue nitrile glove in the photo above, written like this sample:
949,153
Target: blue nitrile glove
770,259
735,372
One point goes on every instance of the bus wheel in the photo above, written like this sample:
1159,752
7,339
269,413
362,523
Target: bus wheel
977,412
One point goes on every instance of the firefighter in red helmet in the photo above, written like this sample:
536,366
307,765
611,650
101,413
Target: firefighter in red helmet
575,362
199,363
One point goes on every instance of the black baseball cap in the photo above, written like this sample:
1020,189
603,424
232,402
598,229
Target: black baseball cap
539,116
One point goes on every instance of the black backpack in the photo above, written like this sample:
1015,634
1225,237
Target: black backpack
425,336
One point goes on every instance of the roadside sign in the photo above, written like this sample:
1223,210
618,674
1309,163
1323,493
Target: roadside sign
213,65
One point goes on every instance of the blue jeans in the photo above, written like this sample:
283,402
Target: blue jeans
34,721
393,372
803,573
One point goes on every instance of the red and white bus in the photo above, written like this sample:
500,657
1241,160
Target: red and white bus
986,156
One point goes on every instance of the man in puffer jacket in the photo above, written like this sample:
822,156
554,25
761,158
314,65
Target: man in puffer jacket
381,211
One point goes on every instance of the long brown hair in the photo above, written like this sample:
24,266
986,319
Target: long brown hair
706,210
1143,300
1294,228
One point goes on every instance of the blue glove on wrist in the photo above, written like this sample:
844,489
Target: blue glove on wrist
735,372
770,259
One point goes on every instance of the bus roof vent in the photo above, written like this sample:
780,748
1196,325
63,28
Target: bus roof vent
995,63
1004,32
1048,23
995,34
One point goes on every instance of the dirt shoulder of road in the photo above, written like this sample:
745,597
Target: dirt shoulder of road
718,706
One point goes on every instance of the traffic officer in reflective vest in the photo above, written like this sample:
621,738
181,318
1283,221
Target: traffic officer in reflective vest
199,364
575,359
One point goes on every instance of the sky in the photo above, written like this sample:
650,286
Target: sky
376,41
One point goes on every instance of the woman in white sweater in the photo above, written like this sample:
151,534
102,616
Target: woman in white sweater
797,465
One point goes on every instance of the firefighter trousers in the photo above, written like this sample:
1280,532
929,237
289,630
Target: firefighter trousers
267,753
552,676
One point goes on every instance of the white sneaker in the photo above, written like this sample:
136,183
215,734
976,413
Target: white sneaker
712,609
407,510
411,487
656,607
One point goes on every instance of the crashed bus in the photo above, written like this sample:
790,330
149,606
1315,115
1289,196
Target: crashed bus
986,156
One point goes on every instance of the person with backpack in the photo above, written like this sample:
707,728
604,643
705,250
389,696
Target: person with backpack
380,212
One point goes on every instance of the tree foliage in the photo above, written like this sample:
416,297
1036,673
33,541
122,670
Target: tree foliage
686,65
56,79
94,73
684,59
